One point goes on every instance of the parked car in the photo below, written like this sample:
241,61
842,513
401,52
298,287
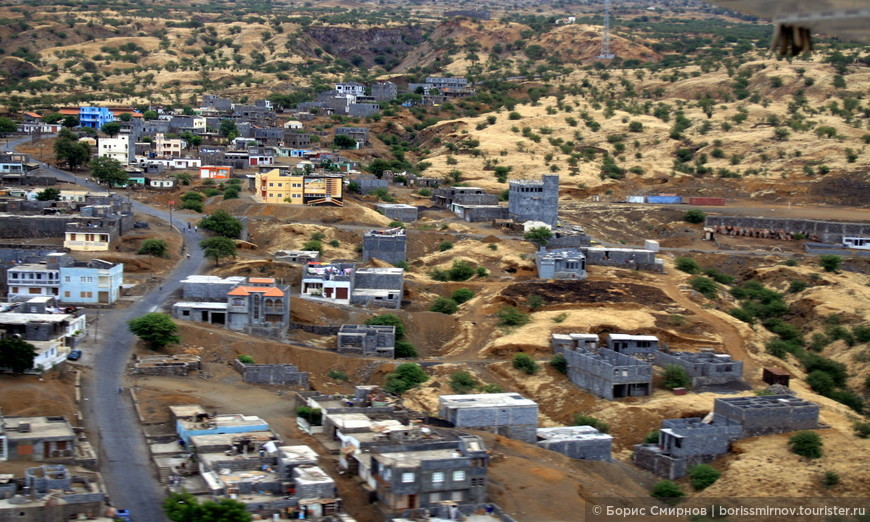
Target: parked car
74,355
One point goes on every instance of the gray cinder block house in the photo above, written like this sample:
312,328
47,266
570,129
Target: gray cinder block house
532,200
387,245
507,414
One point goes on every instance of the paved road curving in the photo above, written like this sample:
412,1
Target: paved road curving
127,471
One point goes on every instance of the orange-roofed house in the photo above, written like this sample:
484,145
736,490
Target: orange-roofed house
254,305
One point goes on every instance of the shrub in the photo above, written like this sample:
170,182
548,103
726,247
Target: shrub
667,492
806,444
444,306
481,272
862,429
703,476
462,295
836,370
514,115
849,398
559,363
404,349
688,265
445,245
779,348
245,359
153,247
820,382
193,205
560,318
337,375
830,478
511,316
314,416
462,382
830,262
861,333
652,437
334,243
406,376
584,420
523,362
676,377
704,286
491,388
718,276
389,320
694,216
313,245
797,286
535,302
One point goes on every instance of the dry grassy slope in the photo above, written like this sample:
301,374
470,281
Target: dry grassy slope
757,146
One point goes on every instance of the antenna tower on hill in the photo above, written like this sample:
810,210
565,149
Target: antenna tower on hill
606,53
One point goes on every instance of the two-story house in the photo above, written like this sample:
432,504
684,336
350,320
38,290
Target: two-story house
71,282
53,331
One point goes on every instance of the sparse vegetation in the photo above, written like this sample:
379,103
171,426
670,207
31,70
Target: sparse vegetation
676,377
245,359
806,444
511,316
523,362
462,382
702,476
406,376
667,492
585,420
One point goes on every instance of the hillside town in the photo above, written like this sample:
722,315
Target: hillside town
388,298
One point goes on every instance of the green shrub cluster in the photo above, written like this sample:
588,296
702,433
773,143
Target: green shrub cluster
523,362
585,420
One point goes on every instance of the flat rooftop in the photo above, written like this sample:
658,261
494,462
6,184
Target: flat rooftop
199,304
766,401
40,427
629,337
310,475
213,279
186,410
300,452
572,433
603,249
415,458
217,439
485,400
583,336
395,205
381,271
18,318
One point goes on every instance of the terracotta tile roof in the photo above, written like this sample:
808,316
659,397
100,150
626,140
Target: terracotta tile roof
269,291
32,115
70,112
240,290
267,280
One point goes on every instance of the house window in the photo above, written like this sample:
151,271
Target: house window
81,279
458,475
185,313
435,497
438,477
457,496
407,478
238,301
35,290
66,293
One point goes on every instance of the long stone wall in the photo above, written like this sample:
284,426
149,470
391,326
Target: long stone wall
283,374
783,228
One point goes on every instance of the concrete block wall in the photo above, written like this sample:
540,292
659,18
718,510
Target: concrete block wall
596,446
369,183
535,200
703,368
283,374
515,422
648,457
480,214
212,291
475,199
769,414
600,373
403,213
635,259
324,488
824,231
698,438
389,248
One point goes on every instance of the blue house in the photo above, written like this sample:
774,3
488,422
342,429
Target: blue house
95,117
218,424
94,282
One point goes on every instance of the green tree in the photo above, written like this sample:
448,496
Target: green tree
688,265
184,507
150,115
157,330
389,320
806,444
830,262
53,117
694,216
7,126
16,354
108,171
585,420
539,236
511,316
703,476
676,377
112,128
49,194
444,305
125,116
245,359
667,492
344,142
71,121
523,362
223,224
153,247
218,247
228,128
462,295
405,349
72,152
406,376
821,382
462,382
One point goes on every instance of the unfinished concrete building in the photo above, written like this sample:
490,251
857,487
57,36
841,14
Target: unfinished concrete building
574,341
387,245
399,211
631,258
296,256
560,264
705,367
633,344
763,415
608,374
507,414
535,200
368,340
427,473
53,492
684,443
378,287
577,442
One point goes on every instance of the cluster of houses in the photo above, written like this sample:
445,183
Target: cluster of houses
55,475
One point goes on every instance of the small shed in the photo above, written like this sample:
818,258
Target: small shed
775,376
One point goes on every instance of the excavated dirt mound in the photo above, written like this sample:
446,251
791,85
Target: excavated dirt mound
585,291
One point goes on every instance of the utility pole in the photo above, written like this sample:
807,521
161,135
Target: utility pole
606,53
170,214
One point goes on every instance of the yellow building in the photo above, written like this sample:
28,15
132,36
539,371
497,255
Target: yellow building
276,186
